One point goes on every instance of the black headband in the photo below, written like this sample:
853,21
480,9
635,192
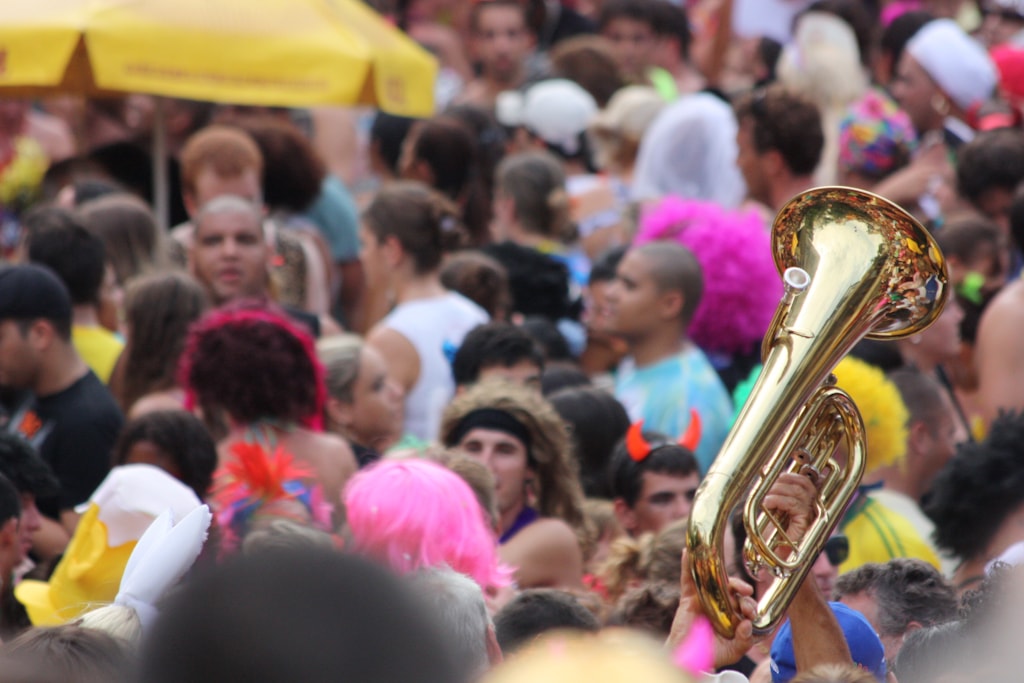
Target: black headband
493,419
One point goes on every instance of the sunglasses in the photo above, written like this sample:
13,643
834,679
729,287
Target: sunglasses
837,549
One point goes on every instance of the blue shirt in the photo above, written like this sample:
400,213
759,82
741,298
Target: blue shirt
663,393
335,215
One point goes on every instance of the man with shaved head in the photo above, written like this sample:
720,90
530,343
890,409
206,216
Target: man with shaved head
666,380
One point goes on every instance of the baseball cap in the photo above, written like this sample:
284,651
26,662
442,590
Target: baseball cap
557,111
865,646
32,291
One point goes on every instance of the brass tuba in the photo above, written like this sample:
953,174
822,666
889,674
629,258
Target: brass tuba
855,265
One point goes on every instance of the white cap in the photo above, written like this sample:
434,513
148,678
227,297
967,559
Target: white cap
557,111
955,61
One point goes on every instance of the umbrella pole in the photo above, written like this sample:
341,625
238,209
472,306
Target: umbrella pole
161,199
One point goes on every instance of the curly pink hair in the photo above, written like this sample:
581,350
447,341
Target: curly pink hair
412,513
741,284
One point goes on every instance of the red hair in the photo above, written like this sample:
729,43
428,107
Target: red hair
254,363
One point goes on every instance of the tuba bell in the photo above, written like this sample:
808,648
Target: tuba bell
854,265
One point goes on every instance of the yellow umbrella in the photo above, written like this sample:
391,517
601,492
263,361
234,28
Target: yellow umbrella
260,52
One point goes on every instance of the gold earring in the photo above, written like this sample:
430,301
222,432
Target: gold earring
940,104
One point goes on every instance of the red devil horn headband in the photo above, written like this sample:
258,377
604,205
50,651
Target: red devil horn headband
639,447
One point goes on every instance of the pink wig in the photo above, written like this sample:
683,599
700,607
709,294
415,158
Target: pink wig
741,284
415,513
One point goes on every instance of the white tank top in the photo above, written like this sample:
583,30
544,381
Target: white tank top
435,327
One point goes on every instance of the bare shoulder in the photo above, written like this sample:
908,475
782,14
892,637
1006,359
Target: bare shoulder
329,455
399,353
545,553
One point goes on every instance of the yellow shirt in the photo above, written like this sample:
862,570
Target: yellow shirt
98,347
878,534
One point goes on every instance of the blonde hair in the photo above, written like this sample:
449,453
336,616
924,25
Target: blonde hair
649,558
476,474
607,657
115,620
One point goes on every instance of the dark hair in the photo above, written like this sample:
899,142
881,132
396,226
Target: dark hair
626,475
479,278
535,182
129,232
606,264
10,500
179,435
964,236
448,146
636,10
786,122
1017,218
490,138
552,343
538,611
768,51
303,614
21,464
859,18
978,489
588,61
292,171
539,284
424,223
64,654
159,310
88,189
992,160
896,35
493,344
477,7
562,376
673,267
598,422
58,240
905,589
253,363
670,21
388,134
882,355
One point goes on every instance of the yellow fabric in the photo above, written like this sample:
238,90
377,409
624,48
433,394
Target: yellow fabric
98,347
267,52
877,534
88,575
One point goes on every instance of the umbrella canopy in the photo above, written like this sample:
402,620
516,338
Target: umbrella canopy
257,52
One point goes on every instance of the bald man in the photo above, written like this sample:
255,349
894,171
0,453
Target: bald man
666,376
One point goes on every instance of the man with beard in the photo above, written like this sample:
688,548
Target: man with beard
501,42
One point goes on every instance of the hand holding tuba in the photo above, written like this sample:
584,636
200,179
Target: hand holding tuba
855,265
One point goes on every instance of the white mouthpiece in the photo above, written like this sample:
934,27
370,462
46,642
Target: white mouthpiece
796,278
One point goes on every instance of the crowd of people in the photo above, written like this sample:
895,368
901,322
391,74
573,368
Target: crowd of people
431,399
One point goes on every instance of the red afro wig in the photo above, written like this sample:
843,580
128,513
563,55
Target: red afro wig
252,362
